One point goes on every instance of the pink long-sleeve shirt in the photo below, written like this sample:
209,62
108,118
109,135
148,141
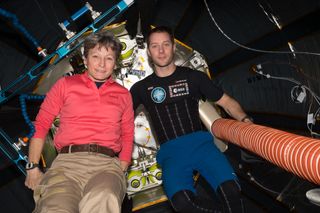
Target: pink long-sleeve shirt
88,115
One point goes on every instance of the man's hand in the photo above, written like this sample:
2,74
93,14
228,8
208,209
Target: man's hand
33,178
247,119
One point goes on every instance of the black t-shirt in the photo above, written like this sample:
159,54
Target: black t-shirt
172,101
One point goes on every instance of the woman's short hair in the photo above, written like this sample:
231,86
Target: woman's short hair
104,39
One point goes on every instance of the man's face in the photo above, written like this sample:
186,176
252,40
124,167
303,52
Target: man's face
100,63
161,49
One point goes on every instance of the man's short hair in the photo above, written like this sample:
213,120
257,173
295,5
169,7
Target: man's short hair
160,29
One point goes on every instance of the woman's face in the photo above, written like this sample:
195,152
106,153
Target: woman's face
100,63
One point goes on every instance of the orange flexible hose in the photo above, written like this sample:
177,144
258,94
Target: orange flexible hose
294,153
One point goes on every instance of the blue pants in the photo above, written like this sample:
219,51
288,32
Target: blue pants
180,157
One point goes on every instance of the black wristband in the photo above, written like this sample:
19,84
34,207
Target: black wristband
31,165
247,117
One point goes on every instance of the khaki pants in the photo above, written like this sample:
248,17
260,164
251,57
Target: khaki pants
81,182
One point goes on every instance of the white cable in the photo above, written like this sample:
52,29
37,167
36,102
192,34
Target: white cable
317,112
276,77
293,97
253,49
316,97
314,117
312,93
267,14
312,132
260,185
